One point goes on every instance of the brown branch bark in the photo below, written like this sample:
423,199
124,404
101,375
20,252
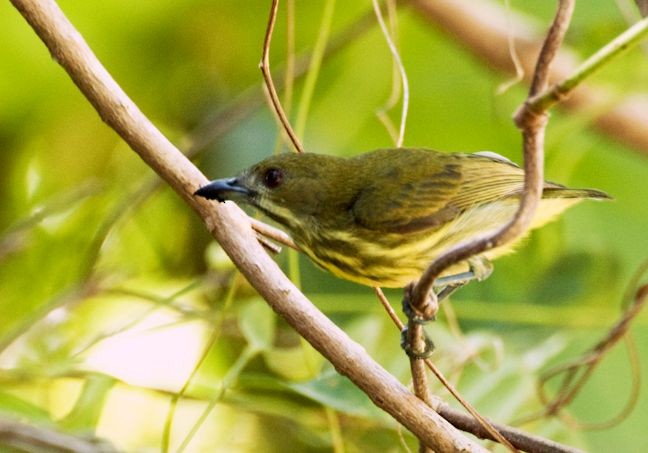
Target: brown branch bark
417,369
518,438
232,229
269,84
482,27
474,415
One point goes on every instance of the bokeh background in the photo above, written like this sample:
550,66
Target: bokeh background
114,298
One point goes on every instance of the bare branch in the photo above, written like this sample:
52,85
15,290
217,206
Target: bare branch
484,424
232,229
619,45
267,77
273,233
403,80
518,438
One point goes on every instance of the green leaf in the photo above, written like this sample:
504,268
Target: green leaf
257,322
15,406
85,414
337,392
297,363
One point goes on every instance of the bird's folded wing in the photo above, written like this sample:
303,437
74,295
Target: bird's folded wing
425,202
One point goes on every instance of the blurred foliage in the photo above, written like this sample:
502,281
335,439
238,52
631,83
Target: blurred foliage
111,290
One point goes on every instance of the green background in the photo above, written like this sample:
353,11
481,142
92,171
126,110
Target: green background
111,289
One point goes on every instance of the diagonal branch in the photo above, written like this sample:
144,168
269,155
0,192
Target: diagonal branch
231,228
479,426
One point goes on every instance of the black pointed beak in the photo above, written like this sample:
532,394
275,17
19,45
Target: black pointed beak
220,189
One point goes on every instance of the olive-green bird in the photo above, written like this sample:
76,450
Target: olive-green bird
382,217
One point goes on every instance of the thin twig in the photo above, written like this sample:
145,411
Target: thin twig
289,72
483,27
485,425
383,112
416,339
628,407
417,365
515,58
518,438
403,75
533,128
388,308
619,45
576,373
267,77
273,233
418,345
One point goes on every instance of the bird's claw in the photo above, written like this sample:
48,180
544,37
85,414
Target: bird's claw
406,344
412,314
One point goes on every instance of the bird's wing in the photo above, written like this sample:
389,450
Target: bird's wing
487,179
427,200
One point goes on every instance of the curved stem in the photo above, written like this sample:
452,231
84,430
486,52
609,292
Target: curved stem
267,77
533,129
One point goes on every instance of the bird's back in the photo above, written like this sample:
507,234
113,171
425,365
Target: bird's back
415,203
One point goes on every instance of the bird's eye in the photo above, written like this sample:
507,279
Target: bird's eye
273,178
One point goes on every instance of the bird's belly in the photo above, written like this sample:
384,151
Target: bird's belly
394,260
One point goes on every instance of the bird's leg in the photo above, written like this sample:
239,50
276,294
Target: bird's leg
406,344
479,268
445,292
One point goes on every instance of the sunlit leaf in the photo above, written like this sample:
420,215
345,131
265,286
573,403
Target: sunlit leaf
337,392
257,322
89,405
18,407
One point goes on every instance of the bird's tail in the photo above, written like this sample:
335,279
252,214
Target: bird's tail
564,192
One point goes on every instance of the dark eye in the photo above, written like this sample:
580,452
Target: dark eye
273,178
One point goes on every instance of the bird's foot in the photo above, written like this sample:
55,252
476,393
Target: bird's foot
479,268
417,318
414,315
406,344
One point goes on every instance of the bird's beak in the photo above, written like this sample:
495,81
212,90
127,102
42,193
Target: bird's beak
221,189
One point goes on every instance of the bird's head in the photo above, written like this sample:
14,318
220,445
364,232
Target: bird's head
289,187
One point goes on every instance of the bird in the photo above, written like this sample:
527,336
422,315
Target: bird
381,217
